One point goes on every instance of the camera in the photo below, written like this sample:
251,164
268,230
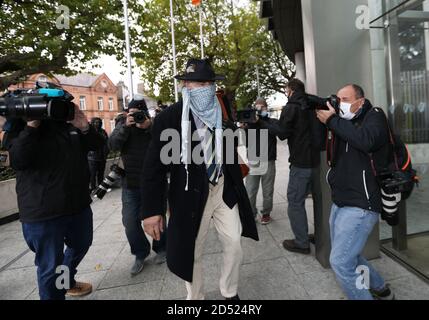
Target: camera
140,116
395,186
250,115
396,182
319,103
116,172
46,101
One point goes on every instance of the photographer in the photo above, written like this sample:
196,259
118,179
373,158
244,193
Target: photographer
97,158
296,124
132,139
50,159
266,180
359,131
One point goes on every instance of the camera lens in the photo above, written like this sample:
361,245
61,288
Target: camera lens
115,173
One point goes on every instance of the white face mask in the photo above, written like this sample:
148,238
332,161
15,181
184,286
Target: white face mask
264,114
345,112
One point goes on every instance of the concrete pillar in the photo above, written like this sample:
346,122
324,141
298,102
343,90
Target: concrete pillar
300,66
378,56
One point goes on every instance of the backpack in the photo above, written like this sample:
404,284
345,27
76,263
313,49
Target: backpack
392,166
245,169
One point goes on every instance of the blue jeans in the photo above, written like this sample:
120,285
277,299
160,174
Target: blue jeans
132,221
47,238
350,228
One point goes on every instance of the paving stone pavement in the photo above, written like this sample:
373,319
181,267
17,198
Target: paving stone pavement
268,271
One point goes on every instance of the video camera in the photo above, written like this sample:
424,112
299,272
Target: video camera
319,103
46,101
250,115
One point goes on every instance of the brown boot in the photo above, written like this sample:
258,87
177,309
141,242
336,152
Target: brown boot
80,289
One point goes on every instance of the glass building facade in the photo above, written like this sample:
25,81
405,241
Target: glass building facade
383,45
403,26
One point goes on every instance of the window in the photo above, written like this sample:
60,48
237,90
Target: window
100,104
110,104
82,103
103,124
112,125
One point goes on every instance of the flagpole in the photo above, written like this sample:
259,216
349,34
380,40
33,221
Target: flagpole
173,42
127,43
201,30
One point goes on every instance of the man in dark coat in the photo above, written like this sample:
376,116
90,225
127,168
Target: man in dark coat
52,177
357,131
132,138
97,158
200,191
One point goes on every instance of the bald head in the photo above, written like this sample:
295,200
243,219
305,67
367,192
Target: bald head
353,94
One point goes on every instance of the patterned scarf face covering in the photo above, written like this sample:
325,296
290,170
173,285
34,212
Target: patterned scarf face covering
204,104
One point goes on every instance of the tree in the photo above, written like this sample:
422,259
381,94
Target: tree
57,36
235,41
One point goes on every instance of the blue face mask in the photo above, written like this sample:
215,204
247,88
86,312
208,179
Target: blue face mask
202,98
204,105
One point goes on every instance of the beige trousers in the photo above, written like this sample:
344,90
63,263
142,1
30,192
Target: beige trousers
228,226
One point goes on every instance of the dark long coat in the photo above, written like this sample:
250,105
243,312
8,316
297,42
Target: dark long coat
187,207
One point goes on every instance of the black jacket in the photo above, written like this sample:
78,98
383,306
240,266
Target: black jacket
52,176
351,177
133,143
272,142
187,207
101,153
297,124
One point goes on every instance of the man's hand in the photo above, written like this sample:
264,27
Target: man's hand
144,125
325,115
130,120
80,121
33,123
243,125
154,226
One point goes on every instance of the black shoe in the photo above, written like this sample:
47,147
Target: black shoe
235,298
385,294
291,246
137,267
